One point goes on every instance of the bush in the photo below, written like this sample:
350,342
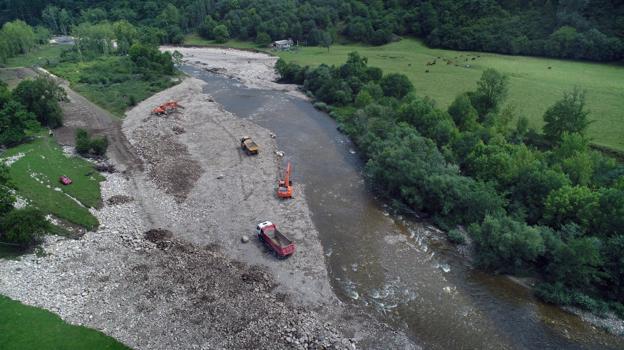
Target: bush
86,146
221,34
321,106
99,145
24,227
456,236
553,293
263,39
396,85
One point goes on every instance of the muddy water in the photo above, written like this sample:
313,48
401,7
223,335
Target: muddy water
401,270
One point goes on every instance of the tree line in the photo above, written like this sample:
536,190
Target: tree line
537,203
588,29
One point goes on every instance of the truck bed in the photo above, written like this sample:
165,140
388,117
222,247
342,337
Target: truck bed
278,238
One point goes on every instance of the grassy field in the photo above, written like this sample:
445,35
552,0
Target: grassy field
36,172
533,86
41,56
109,82
24,327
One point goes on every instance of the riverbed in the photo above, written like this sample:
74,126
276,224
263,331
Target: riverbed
400,269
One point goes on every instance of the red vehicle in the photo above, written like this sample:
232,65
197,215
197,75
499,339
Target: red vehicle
65,180
281,245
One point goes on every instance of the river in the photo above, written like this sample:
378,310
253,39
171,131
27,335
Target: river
402,270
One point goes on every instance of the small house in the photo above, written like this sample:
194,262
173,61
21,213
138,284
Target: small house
282,44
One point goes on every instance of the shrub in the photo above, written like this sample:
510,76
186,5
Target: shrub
396,85
553,293
456,236
99,145
24,227
86,146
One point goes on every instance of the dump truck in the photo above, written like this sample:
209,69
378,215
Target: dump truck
277,242
284,187
250,147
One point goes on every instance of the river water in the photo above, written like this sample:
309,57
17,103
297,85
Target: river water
399,269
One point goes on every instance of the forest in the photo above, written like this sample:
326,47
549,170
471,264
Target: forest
578,29
532,202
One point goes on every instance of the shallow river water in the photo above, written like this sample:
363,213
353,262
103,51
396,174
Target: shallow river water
400,270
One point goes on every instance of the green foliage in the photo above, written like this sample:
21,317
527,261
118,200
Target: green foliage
567,115
456,236
491,91
396,85
149,61
463,113
263,39
14,122
576,262
41,97
90,146
16,37
221,33
576,204
504,244
93,40
24,227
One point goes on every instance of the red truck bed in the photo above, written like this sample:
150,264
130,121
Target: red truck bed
278,242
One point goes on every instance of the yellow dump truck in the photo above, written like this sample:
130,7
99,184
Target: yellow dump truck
250,147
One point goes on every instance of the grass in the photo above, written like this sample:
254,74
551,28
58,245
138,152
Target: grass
41,56
25,327
109,82
533,87
36,177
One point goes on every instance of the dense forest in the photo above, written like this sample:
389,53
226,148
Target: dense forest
579,29
535,203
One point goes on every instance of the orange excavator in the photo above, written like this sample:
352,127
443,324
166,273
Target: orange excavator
167,108
284,187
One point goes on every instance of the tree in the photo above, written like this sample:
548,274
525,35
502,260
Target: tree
491,91
41,96
569,204
576,263
463,113
14,122
6,198
566,115
506,245
221,34
206,29
326,40
263,39
24,227
396,85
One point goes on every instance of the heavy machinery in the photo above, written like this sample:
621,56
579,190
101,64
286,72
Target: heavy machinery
249,146
167,108
284,186
277,242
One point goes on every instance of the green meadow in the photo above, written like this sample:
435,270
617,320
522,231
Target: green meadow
533,86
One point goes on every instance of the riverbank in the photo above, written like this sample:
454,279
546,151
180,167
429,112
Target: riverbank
191,283
253,69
